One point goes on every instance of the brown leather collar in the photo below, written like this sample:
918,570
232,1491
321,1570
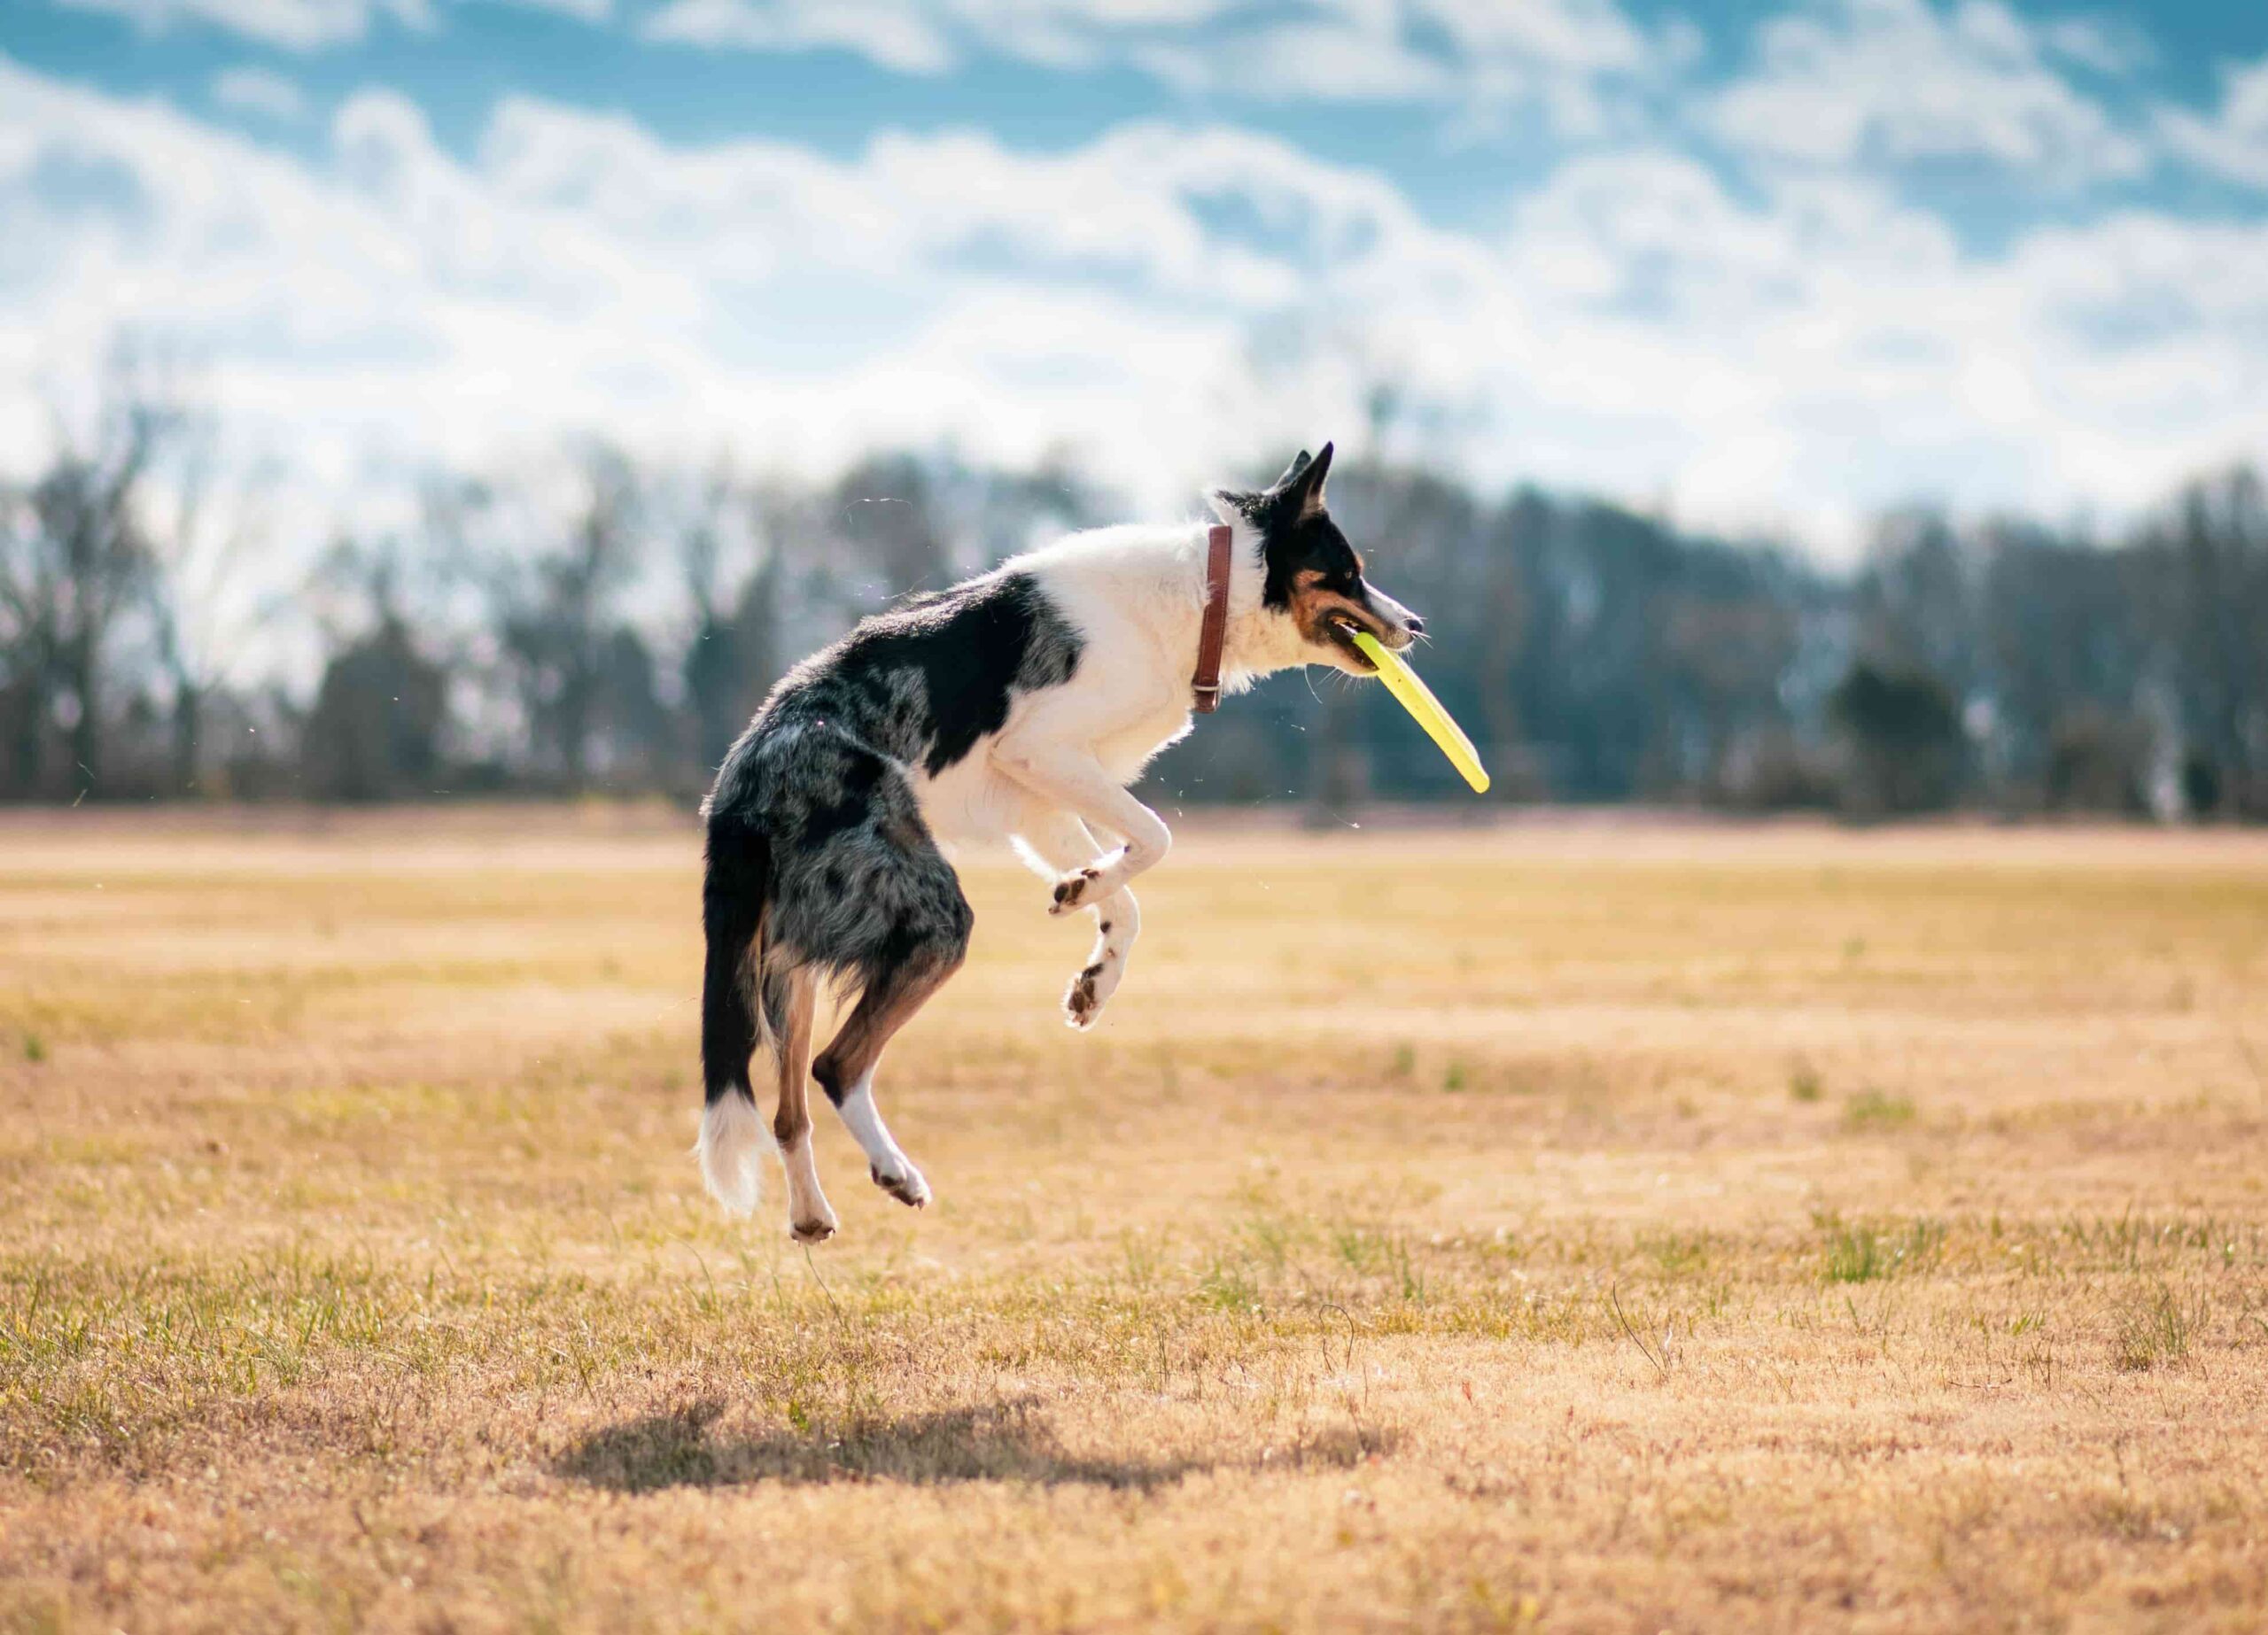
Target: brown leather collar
1214,632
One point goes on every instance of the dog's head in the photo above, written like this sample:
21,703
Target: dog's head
1315,579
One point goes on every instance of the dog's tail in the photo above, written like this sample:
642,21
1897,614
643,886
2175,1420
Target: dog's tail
736,1000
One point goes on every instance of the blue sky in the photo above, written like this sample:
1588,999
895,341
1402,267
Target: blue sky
1770,266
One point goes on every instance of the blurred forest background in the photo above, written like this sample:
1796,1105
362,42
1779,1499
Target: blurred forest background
602,626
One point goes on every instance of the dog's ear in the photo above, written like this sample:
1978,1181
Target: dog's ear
1300,489
1298,493
1231,506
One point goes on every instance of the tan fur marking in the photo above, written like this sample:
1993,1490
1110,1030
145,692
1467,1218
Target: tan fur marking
1314,608
881,1010
810,1220
793,1117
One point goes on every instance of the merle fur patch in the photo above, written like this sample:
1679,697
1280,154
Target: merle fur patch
927,679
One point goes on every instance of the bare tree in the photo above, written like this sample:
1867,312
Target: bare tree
729,571
1915,598
74,558
1903,728
26,640
204,616
884,512
381,713
559,615
2062,656
2208,568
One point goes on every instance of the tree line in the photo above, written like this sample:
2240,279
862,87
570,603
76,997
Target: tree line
602,626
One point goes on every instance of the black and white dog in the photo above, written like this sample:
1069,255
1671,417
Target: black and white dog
1018,705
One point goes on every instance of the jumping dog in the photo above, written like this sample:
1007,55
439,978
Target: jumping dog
1019,704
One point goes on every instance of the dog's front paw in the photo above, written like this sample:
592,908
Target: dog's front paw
818,1229
1075,890
1083,1001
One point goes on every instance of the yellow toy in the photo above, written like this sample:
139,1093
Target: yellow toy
1416,697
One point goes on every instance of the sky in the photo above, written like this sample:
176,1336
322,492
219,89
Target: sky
1765,268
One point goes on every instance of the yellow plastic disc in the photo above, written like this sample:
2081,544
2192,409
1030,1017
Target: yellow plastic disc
1416,697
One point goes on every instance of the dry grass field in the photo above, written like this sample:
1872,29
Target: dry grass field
1591,1225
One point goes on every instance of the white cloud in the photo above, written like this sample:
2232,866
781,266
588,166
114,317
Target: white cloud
1577,34
1481,57
297,25
582,11
2234,143
1197,295
1847,80
257,91
891,33
1328,60
2107,45
1832,352
308,25
1487,54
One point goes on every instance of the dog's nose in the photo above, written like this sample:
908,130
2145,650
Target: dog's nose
1417,625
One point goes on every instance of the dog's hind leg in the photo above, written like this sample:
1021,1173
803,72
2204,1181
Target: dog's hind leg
1058,843
810,1220
845,1069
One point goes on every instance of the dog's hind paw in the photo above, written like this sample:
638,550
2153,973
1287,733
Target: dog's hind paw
908,1189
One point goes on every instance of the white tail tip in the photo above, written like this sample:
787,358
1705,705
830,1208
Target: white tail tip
731,1147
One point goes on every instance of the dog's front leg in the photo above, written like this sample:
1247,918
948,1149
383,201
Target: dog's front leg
1072,779
1058,844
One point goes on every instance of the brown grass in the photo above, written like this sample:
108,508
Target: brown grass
1613,1227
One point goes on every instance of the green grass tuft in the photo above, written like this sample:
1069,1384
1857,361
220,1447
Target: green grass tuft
1875,1110
1860,1253
2155,1330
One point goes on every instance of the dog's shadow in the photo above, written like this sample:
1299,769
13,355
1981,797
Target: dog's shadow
1007,1441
